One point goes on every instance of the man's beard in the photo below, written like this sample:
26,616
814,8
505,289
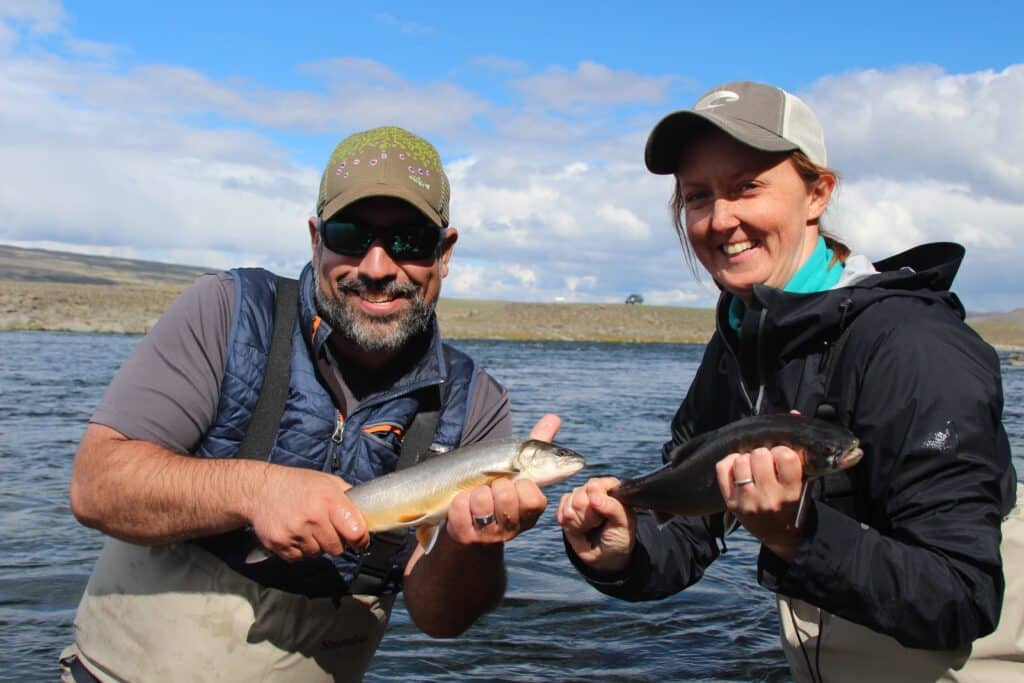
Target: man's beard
376,334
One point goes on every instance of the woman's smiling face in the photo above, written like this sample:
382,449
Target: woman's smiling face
750,218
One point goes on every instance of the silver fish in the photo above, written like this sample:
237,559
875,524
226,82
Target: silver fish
420,495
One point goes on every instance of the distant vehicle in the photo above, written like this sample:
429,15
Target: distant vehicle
634,299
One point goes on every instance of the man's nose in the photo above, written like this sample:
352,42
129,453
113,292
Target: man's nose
377,263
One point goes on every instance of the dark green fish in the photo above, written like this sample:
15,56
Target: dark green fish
688,485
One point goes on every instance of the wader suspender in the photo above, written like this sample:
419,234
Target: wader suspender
266,417
378,558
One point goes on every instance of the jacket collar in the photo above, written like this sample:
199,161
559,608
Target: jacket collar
797,323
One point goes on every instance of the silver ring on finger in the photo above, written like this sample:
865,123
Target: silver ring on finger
744,482
481,522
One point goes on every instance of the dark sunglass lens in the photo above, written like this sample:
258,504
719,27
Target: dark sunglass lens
414,242
343,237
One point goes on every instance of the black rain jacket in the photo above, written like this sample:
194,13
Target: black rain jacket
913,551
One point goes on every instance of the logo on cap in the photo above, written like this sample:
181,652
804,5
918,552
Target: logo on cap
718,99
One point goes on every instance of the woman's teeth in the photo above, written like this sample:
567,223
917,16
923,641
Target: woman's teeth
734,248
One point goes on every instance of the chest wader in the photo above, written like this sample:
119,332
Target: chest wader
823,648
178,612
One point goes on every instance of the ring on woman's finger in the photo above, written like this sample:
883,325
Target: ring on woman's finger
744,482
483,521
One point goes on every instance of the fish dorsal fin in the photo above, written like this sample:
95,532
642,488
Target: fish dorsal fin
683,450
426,535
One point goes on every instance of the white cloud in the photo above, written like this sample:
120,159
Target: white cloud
693,296
548,206
627,222
403,26
352,69
575,283
591,85
920,122
500,65
41,17
931,156
492,280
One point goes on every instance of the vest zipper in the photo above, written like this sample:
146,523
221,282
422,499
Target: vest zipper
336,437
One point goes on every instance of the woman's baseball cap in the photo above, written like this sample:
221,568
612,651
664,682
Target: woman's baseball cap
759,115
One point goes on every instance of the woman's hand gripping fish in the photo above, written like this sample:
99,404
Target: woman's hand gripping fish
420,495
688,485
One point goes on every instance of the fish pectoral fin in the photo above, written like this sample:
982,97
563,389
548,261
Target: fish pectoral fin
257,555
663,518
729,523
800,507
413,521
500,474
426,535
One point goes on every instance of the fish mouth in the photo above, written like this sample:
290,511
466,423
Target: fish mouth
569,460
572,463
849,457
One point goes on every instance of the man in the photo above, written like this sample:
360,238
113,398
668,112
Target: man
238,568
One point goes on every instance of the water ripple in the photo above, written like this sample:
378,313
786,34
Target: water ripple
616,402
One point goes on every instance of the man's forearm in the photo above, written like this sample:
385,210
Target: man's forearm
142,493
449,589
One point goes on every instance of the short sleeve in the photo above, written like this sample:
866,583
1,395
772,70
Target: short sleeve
167,390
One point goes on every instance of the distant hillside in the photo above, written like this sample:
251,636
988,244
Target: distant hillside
52,290
40,265
1015,316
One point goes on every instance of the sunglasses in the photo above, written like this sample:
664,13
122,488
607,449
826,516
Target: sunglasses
405,241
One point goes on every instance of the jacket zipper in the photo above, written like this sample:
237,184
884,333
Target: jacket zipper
743,387
339,427
760,364
336,437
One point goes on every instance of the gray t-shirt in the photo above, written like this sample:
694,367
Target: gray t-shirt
167,390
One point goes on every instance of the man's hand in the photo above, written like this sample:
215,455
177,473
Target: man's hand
501,511
301,513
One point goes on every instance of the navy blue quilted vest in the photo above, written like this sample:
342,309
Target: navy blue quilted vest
358,447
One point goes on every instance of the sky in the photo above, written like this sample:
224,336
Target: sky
196,132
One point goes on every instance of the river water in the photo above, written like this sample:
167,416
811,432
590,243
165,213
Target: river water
616,401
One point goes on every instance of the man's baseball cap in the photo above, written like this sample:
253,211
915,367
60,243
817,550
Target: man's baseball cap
385,162
759,115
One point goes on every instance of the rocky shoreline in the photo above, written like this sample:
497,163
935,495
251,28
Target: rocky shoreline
135,308
57,291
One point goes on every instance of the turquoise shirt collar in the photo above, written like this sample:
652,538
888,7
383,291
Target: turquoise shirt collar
817,274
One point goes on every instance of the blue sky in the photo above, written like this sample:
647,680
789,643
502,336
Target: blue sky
195,133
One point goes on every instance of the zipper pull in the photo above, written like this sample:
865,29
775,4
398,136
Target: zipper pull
339,429
336,437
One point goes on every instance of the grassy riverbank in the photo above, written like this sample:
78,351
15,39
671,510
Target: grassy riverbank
46,290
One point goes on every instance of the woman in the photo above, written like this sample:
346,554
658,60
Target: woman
897,564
